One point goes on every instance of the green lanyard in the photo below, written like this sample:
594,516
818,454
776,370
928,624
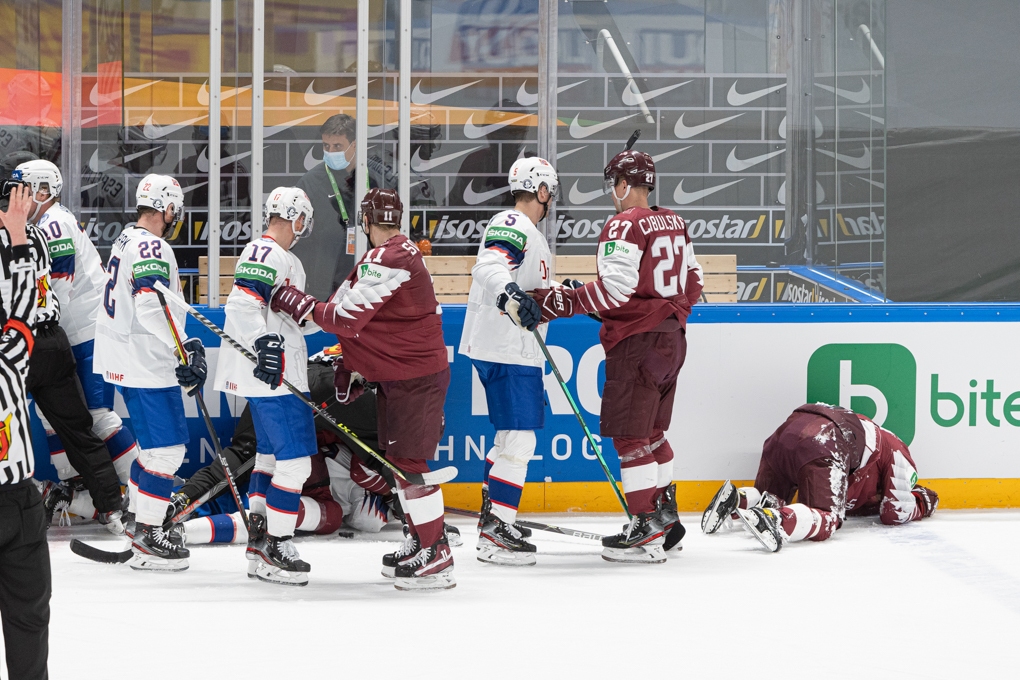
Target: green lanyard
339,198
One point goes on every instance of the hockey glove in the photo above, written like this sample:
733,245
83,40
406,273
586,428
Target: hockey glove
521,309
574,283
929,500
269,368
294,302
192,376
349,384
555,302
178,501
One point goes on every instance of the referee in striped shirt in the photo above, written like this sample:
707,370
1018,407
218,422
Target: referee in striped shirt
24,556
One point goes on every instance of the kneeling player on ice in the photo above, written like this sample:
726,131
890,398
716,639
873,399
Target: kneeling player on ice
838,463
284,431
391,327
135,350
513,257
648,280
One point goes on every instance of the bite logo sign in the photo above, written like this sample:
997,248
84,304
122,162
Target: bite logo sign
877,380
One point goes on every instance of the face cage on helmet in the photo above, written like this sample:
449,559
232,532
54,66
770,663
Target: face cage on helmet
305,232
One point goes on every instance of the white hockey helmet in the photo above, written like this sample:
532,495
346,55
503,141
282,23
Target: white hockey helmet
40,172
290,203
158,192
529,174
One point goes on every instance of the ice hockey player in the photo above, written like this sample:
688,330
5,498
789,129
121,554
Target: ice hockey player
135,350
78,280
51,378
513,257
648,280
284,431
838,463
390,324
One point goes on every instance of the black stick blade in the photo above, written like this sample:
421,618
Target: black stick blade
96,555
633,139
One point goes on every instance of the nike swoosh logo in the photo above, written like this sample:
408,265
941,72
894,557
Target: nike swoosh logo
683,198
862,162
277,129
578,131
153,131
193,187
96,165
578,197
392,442
664,156
861,96
472,198
418,165
376,130
98,99
734,164
310,160
633,97
819,193
203,93
880,121
734,98
686,132
525,98
818,128
422,98
880,185
564,154
313,98
472,131
203,159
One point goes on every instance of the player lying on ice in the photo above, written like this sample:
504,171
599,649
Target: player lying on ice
648,280
838,463
391,327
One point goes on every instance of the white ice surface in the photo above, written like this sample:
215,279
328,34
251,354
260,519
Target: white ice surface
933,599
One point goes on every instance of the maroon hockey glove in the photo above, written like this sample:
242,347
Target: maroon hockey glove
556,303
349,385
929,500
293,301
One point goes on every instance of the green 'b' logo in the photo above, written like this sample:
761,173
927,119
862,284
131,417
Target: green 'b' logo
876,380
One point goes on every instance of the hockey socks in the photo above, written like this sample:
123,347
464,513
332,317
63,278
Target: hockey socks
321,516
802,523
663,453
283,498
514,448
639,474
58,457
216,529
123,450
154,491
423,505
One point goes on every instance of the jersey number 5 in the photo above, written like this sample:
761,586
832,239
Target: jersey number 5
113,269
668,247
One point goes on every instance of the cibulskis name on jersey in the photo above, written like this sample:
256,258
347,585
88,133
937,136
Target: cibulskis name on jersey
134,345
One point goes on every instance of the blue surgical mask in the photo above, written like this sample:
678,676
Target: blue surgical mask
336,160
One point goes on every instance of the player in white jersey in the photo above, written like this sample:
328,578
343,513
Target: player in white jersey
284,428
78,278
512,257
135,350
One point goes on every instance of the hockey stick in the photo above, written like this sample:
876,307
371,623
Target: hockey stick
580,419
576,533
440,476
633,139
182,354
95,554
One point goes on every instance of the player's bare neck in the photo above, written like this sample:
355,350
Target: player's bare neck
379,235
531,209
152,223
281,232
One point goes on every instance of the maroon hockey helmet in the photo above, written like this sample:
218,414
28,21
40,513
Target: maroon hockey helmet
381,206
636,167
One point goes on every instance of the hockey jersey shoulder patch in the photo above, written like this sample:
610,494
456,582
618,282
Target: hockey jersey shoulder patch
62,253
145,274
510,241
256,273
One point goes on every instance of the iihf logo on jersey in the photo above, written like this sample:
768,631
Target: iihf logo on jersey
5,436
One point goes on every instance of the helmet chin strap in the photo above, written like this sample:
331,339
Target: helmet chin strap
623,198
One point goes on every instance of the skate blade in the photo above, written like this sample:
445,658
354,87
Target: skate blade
711,519
767,539
643,555
389,572
267,574
156,564
455,540
252,566
443,581
490,554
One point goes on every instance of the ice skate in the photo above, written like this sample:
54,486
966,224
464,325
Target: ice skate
430,569
256,541
401,555
668,516
280,563
724,502
763,523
501,543
156,550
113,521
640,542
487,510
453,535
56,499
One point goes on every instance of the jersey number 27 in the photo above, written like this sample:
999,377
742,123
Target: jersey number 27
667,248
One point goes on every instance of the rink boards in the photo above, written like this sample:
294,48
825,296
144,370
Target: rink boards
945,378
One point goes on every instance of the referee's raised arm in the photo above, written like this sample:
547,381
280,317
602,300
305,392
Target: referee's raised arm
24,556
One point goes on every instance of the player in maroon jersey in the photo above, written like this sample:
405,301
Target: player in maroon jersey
648,280
391,327
839,463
